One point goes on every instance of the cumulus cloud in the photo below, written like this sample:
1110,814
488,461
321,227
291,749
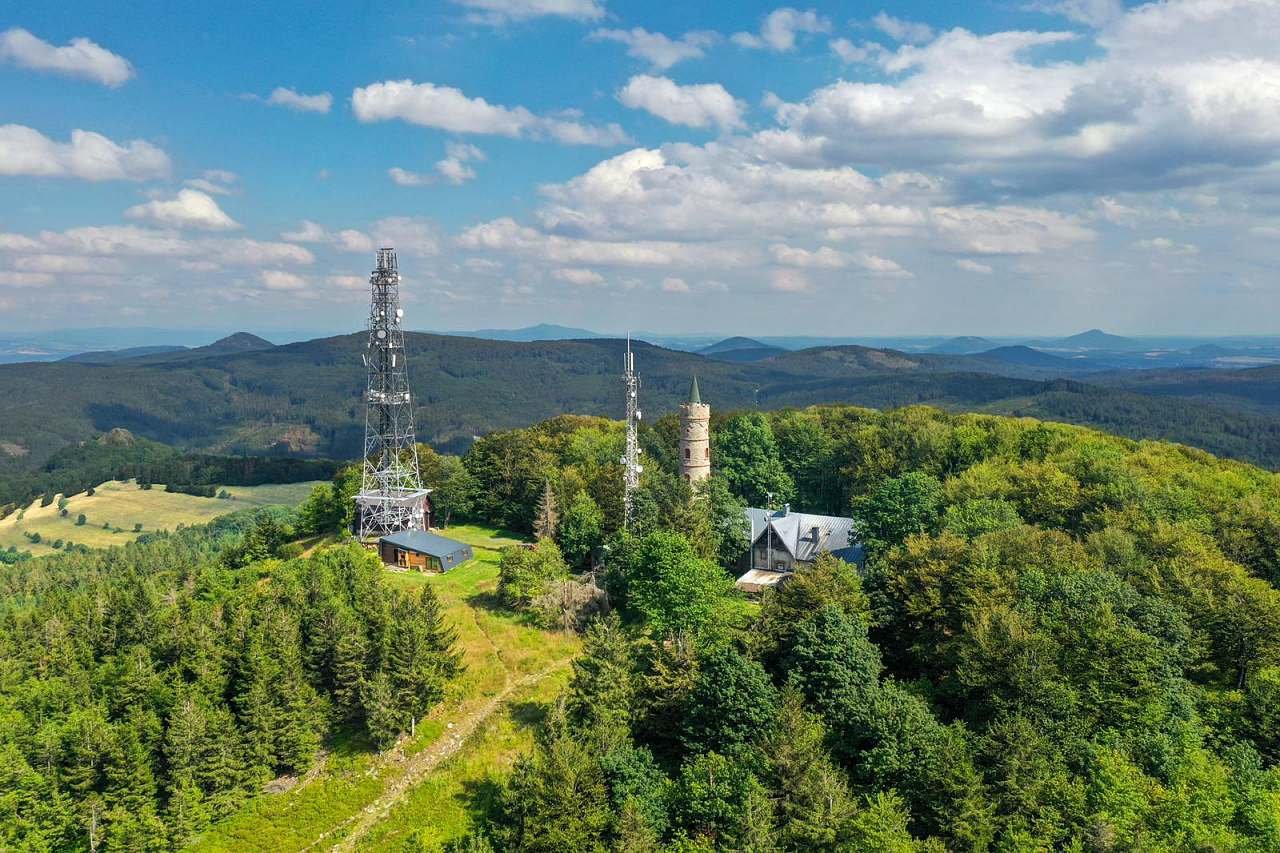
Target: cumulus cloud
780,27
698,105
285,97
851,54
1094,13
409,235
188,209
447,108
11,278
344,240
672,284
214,182
970,265
1172,93
78,58
281,280
790,281
578,276
497,12
911,32
660,51
88,156
453,169
1167,246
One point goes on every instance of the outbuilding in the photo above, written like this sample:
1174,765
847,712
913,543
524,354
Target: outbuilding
426,552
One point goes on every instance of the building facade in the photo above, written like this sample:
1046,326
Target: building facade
695,437
782,540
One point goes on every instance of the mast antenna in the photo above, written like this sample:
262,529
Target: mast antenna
391,496
631,467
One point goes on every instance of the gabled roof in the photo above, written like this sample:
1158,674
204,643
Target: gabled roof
424,543
795,531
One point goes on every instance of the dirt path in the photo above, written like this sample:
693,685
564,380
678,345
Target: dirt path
412,770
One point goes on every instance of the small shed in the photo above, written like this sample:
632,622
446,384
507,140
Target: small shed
427,552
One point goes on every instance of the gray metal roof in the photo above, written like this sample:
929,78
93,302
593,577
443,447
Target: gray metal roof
803,534
425,543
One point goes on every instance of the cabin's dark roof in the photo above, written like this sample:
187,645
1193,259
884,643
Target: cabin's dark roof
425,543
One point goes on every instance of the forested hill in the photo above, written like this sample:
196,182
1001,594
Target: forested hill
305,398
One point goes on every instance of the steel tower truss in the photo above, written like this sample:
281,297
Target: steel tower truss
391,495
631,467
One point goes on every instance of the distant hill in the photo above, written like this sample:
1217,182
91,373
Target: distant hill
305,399
962,346
108,356
740,349
1025,357
1093,339
240,342
540,332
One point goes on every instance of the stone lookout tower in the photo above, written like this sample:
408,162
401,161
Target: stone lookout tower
695,437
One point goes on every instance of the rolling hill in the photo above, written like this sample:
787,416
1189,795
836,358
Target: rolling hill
304,399
965,345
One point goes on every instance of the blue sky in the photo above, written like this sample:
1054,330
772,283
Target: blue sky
854,168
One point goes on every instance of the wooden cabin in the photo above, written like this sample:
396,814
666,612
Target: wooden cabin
426,552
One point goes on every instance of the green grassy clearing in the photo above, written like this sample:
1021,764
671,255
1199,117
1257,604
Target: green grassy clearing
121,504
498,648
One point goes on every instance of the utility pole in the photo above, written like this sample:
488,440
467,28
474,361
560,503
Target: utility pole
631,467
391,495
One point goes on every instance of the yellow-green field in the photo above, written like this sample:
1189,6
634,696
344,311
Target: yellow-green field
357,799
117,506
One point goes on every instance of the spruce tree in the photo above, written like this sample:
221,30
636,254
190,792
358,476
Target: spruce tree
547,519
601,692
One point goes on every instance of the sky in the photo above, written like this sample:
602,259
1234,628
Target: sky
1000,167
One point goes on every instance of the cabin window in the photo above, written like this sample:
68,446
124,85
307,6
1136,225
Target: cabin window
402,558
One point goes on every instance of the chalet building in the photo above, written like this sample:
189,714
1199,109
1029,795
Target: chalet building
781,540
426,552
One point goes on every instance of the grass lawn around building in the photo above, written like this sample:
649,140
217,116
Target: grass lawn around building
117,507
358,799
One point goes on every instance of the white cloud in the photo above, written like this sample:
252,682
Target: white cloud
188,209
1167,246
9,278
347,282
911,32
64,264
281,280
405,178
410,236
824,258
498,12
214,182
447,108
852,54
878,266
79,58
88,156
970,265
578,276
1095,13
790,281
660,51
671,284
284,97
780,27
345,240
698,105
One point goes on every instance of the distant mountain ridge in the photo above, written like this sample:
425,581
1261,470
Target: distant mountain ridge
539,332
964,345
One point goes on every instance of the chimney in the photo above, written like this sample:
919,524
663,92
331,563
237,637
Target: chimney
786,510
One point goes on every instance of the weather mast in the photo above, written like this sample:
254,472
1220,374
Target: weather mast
631,467
391,495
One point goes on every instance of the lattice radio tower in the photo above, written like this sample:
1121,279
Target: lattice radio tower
391,496
631,467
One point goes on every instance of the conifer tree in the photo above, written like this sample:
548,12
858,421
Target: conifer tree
601,692
547,519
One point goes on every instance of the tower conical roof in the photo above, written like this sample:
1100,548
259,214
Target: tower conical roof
694,396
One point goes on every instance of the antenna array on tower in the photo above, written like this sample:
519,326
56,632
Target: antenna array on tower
391,495
631,466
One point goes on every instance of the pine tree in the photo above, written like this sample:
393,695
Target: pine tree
382,718
547,520
420,655
350,659
131,784
601,692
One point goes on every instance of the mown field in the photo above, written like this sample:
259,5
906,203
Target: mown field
431,784
116,507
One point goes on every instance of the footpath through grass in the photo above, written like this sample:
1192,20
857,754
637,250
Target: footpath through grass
118,506
403,792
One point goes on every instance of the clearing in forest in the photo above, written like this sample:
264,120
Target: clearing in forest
358,799
118,506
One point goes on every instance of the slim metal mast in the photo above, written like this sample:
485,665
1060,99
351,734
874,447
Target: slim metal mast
631,466
391,496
